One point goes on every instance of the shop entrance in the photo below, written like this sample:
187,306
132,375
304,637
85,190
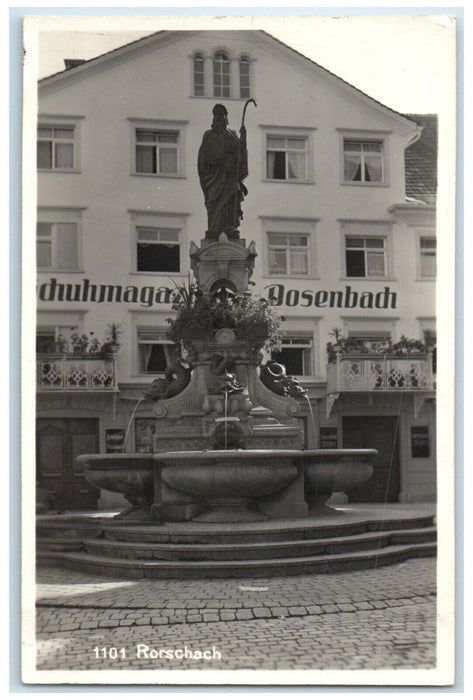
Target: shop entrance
382,434
59,441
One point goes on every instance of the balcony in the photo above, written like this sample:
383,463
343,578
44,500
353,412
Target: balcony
75,373
351,373
374,372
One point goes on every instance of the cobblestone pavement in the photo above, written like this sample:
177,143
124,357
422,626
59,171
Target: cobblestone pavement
374,619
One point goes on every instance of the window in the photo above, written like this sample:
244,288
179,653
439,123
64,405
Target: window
295,355
328,438
365,256
430,340
291,246
157,152
154,349
57,246
221,66
55,147
158,249
199,79
428,256
288,254
363,161
221,75
420,441
286,158
244,77
45,341
54,339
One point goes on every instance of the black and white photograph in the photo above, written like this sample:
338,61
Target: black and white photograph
238,356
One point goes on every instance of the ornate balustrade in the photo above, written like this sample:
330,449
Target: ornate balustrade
355,373
75,373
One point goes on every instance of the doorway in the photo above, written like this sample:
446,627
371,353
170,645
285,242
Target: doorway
58,442
382,434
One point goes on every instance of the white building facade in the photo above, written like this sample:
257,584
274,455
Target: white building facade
340,246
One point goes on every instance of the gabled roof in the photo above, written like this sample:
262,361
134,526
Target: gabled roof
150,37
100,57
337,77
420,160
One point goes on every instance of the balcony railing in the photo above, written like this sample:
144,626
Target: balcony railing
411,373
75,373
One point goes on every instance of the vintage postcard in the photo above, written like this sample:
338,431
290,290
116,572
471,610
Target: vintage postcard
235,468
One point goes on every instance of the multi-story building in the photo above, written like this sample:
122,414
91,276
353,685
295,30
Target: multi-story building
340,204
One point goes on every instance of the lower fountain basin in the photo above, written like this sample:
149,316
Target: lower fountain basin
128,474
229,480
329,471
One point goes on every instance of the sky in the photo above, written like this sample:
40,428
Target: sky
405,61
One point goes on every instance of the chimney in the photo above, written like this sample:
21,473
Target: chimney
73,62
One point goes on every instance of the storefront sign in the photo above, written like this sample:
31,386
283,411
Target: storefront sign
346,298
341,299
114,440
420,441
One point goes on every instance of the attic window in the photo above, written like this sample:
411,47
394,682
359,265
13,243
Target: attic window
221,63
199,78
244,77
221,75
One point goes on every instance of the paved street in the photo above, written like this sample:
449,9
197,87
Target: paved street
381,618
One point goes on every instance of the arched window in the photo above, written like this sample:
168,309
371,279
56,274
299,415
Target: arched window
199,75
244,77
221,64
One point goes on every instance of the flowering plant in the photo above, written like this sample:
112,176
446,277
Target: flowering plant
353,346
198,315
84,344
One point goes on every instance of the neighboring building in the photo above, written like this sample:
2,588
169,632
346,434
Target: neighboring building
341,206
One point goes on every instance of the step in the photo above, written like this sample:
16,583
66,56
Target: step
59,544
72,529
325,563
255,550
234,533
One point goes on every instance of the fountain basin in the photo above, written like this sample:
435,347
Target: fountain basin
329,471
130,474
228,481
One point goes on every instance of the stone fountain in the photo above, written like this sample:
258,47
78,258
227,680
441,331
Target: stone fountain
228,445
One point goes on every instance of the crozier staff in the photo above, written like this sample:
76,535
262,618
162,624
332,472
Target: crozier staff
222,167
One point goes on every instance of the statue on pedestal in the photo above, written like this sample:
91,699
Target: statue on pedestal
222,166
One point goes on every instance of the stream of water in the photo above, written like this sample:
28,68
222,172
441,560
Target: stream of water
312,417
130,422
225,411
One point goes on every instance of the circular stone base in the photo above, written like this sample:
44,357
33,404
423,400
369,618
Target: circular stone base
230,515
138,513
321,509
